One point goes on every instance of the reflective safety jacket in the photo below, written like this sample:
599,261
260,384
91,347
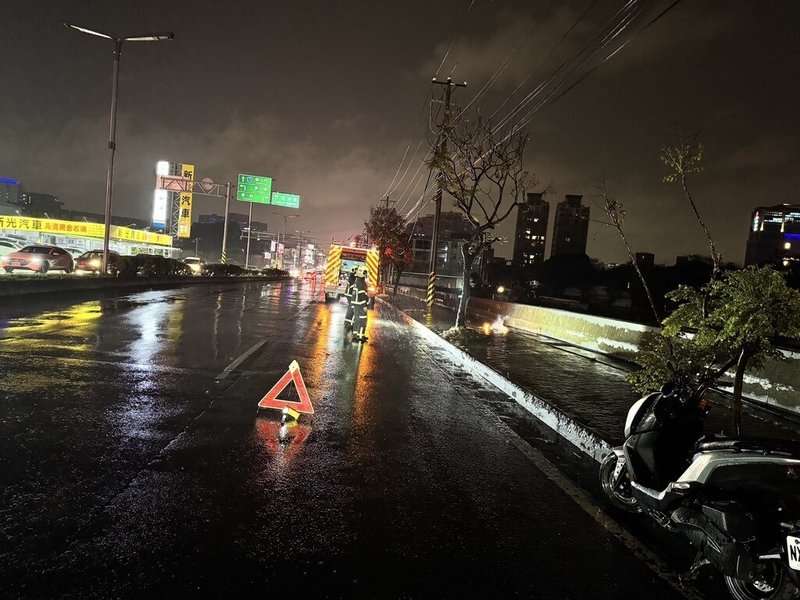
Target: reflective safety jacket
359,292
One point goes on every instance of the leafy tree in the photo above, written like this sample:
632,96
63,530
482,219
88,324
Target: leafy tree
735,319
387,230
484,176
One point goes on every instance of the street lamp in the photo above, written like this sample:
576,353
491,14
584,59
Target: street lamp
112,130
285,220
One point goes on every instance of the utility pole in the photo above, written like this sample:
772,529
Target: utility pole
386,203
442,150
224,254
249,235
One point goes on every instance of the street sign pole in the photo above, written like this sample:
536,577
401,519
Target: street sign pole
224,256
249,235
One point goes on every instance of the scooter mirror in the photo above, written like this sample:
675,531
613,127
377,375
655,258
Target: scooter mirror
667,388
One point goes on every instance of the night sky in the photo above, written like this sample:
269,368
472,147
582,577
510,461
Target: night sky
326,97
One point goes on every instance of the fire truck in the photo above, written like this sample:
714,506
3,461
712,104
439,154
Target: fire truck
341,261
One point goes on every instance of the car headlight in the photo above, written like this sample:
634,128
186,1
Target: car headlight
95,262
195,268
35,260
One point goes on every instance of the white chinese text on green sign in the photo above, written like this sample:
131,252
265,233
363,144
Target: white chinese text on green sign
253,188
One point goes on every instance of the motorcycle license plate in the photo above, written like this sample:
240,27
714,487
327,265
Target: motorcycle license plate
793,551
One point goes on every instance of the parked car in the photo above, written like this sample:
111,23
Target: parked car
12,240
74,252
7,247
91,261
196,264
40,258
16,238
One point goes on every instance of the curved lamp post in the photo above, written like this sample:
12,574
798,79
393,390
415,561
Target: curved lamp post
118,41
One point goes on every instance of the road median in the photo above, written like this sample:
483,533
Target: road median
11,288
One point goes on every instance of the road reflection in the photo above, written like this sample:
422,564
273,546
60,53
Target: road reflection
152,323
366,375
282,441
71,329
69,333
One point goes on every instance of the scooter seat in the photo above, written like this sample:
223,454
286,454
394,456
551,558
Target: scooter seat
760,445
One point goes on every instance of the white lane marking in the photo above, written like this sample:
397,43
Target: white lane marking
232,367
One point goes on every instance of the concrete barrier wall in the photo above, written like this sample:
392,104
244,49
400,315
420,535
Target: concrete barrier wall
776,384
609,336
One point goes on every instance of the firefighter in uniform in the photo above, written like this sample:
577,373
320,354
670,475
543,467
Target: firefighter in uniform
348,293
360,301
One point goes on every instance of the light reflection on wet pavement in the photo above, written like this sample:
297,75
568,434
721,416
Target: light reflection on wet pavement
128,472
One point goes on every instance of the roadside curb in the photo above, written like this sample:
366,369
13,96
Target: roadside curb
571,430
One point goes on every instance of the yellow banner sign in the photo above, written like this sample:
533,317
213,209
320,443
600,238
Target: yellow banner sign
82,230
185,204
185,215
187,171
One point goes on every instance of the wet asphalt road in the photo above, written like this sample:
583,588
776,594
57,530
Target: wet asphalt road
126,470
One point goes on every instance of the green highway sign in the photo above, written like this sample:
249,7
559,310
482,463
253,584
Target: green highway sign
287,200
252,188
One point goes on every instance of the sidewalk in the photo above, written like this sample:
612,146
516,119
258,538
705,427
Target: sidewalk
588,388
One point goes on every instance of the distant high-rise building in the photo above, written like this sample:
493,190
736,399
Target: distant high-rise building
531,231
453,229
774,235
35,204
10,189
571,226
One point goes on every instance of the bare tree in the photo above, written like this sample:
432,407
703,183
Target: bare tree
484,175
684,159
616,213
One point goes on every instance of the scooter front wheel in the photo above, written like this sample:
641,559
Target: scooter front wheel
617,489
770,583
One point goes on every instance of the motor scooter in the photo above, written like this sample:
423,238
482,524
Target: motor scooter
736,500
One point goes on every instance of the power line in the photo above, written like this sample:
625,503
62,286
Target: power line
615,25
530,115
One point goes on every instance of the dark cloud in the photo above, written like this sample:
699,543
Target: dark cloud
326,97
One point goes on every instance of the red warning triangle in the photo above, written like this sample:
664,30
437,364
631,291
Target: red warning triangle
271,400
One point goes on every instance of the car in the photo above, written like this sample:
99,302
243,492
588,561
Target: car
12,240
7,247
40,258
91,261
16,238
74,252
196,264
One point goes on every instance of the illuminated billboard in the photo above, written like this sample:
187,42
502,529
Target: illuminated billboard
160,209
